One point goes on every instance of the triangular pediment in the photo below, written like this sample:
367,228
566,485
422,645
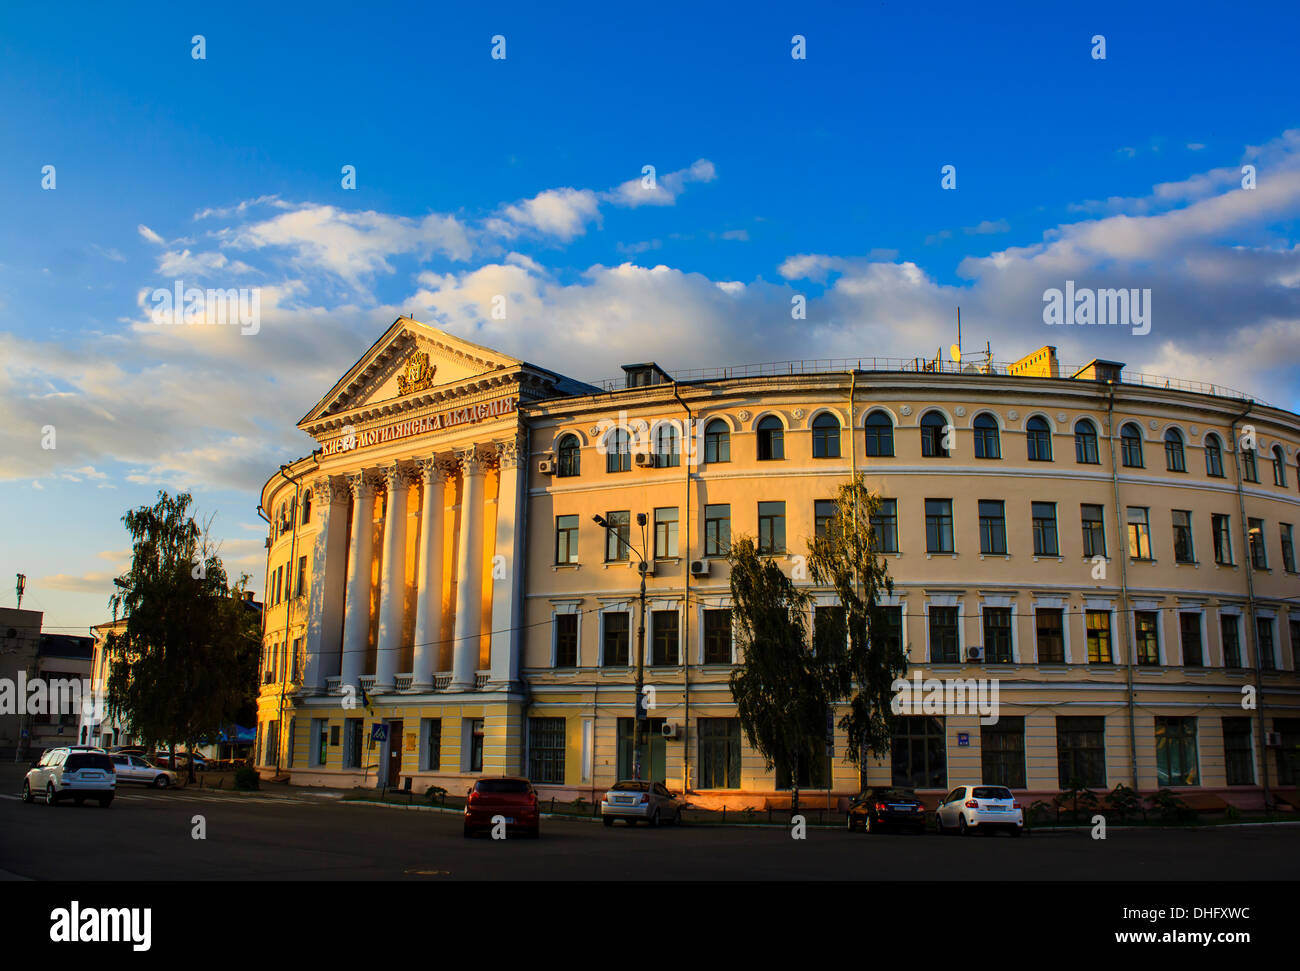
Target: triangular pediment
410,360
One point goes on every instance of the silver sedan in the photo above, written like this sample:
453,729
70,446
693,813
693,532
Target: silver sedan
136,768
631,801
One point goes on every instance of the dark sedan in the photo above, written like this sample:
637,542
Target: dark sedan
877,809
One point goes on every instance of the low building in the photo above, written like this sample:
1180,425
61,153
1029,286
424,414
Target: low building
20,642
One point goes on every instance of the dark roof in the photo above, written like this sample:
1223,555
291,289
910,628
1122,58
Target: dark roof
67,645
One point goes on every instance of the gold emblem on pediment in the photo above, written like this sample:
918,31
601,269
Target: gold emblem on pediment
418,374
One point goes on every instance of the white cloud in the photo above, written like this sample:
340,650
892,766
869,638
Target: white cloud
562,213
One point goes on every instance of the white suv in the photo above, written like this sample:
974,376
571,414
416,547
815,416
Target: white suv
984,808
72,773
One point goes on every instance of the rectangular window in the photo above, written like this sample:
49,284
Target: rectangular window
301,586
319,742
938,526
1146,631
1139,532
1222,539
1238,751
1288,754
1184,551
719,753
566,539
431,731
1231,633
997,635
944,644
352,731
1258,554
566,640
1046,542
1050,627
1094,530
919,753
617,629
892,623
1287,535
1176,752
1098,624
1002,752
993,526
1189,630
1251,467
717,636
717,529
825,619
665,647
665,532
618,535
1264,633
771,527
824,511
546,750
475,745
884,523
1081,750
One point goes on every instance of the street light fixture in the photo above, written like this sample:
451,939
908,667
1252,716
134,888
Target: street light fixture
639,723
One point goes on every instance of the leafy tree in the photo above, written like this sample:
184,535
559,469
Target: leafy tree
186,661
780,688
862,666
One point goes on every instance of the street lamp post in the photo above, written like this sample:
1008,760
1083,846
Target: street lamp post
638,729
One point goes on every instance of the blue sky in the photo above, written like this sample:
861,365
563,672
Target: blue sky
477,177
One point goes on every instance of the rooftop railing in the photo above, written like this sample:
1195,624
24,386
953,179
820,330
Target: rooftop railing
918,365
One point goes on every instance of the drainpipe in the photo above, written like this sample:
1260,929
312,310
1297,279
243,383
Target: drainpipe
296,481
686,602
521,534
266,591
1250,601
857,542
1123,587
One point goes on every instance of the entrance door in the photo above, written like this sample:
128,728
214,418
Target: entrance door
394,753
654,750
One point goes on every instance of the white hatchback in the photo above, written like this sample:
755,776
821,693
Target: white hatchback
987,809
71,773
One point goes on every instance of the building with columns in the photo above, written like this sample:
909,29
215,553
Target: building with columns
1114,550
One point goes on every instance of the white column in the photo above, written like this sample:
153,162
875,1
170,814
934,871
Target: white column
507,573
356,617
392,579
428,600
469,573
325,603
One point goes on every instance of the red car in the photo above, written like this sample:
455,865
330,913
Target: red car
513,798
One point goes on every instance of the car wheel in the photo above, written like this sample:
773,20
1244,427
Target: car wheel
27,792
607,820
162,782
871,826
468,832
50,797
654,819
677,818
853,827
962,828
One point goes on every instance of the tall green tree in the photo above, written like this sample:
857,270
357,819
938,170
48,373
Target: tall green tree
781,689
186,660
861,651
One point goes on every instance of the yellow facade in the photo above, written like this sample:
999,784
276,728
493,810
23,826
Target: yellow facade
556,715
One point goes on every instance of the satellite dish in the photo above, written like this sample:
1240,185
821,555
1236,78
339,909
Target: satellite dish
954,352
970,369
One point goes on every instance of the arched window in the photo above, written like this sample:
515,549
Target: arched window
668,447
1175,461
1038,439
932,435
1130,444
618,451
569,454
1279,466
826,436
1214,456
771,439
1085,443
717,441
880,435
987,445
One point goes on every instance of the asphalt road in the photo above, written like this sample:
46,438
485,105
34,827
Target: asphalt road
146,835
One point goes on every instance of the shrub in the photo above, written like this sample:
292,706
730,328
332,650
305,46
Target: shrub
1078,797
246,778
1040,812
436,794
1124,802
1171,809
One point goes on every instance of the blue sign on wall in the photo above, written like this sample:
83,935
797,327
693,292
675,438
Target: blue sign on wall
379,732
963,738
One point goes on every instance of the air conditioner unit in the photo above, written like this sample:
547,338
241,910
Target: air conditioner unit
546,467
699,568
645,568
974,653
1273,739
644,460
670,729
